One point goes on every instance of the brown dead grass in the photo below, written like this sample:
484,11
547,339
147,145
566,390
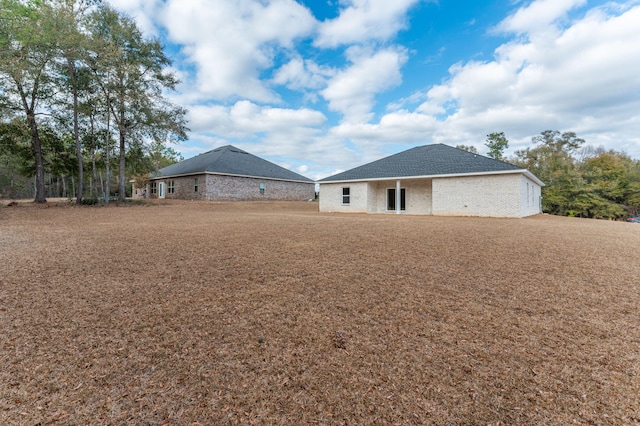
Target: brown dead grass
273,313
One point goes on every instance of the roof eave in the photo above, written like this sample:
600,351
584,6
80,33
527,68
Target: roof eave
527,173
533,177
228,174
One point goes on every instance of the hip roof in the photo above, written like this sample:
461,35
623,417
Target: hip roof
229,160
428,160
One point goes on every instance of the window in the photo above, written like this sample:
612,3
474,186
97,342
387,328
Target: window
346,195
154,187
262,187
533,194
171,187
195,185
391,199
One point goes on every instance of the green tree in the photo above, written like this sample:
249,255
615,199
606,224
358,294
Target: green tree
132,75
57,149
497,143
28,44
161,155
75,67
614,180
15,145
552,161
143,159
73,52
600,184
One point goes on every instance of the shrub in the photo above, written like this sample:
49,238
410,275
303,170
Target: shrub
91,201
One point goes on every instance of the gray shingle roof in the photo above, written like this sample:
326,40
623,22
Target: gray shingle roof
427,160
230,160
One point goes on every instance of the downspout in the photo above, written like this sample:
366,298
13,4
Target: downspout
398,198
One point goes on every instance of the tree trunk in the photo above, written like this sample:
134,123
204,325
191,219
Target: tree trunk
37,153
93,156
72,74
121,183
102,188
107,158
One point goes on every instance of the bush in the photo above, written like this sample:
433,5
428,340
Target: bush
91,201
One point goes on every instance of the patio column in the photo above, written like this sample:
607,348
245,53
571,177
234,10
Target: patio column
398,198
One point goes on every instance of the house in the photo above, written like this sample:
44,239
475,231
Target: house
434,180
227,174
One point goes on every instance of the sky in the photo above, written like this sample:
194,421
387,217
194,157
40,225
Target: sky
322,86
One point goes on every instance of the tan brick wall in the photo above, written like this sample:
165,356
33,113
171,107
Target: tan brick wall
232,188
137,193
184,188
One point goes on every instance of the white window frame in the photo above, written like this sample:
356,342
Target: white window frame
394,199
347,196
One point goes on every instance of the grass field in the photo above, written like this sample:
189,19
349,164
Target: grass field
273,313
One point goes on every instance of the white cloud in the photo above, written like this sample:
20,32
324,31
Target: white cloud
143,11
231,43
301,74
400,127
582,76
276,134
245,118
586,80
364,20
352,91
538,16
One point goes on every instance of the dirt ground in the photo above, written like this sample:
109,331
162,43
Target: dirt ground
273,313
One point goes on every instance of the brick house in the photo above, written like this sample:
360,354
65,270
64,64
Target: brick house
227,174
434,180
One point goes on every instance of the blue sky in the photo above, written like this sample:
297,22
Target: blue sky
321,86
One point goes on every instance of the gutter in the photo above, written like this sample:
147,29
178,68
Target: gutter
525,172
227,174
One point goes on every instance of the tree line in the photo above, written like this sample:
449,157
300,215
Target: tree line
81,91
580,181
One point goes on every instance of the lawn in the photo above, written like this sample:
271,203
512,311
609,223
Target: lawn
274,313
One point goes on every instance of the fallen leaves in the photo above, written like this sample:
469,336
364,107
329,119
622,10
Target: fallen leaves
241,313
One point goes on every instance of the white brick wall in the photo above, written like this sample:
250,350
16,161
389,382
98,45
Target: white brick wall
530,197
331,197
371,197
508,195
492,196
417,196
